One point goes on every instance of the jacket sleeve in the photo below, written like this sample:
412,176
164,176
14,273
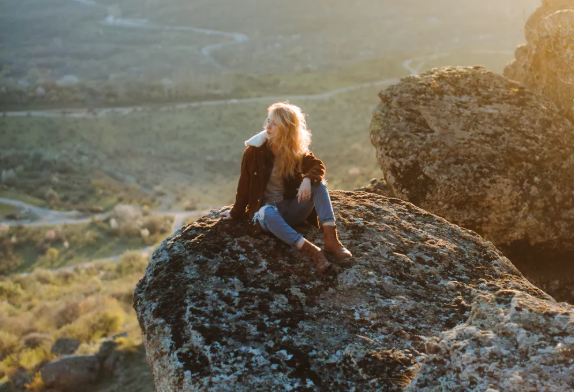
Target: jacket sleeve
313,168
242,195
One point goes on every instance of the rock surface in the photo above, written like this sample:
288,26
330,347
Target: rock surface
481,151
539,333
65,346
545,64
69,372
377,186
221,311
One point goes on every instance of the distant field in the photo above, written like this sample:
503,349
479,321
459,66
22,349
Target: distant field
196,152
87,304
191,42
6,209
86,243
24,248
9,194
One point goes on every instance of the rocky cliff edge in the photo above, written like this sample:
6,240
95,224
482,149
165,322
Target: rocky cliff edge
427,305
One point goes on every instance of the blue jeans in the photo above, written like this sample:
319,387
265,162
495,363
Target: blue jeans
279,218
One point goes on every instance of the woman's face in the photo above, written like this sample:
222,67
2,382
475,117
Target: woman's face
271,126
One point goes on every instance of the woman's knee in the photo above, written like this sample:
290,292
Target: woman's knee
272,215
319,185
319,188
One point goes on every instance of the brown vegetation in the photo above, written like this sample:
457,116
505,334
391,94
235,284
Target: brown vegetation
86,304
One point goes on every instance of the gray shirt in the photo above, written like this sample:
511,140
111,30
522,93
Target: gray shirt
275,188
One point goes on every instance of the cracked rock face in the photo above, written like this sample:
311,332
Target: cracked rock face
481,151
222,311
545,63
378,186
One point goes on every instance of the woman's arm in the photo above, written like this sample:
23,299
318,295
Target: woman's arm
242,195
313,168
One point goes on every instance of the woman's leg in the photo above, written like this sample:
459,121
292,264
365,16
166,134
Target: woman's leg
296,212
275,223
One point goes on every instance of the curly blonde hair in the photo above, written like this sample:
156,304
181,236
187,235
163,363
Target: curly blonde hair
292,139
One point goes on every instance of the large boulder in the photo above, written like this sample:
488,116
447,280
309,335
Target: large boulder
221,311
482,152
70,371
65,346
475,353
545,64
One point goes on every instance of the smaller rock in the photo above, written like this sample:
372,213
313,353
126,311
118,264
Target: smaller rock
65,346
111,364
71,371
377,186
123,334
106,349
20,379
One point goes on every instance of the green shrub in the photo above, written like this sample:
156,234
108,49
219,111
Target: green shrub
9,261
65,275
131,262
93,326
8,365
11,292
67,314
50,257
80,238
157,224
52,196
32,357
42,275
8,343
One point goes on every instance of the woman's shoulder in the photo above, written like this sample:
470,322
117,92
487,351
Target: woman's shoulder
251,151
309,154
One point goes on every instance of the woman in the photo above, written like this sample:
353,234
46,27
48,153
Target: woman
281,185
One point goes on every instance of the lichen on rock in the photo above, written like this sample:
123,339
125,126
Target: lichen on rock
481,151
221,311
475,355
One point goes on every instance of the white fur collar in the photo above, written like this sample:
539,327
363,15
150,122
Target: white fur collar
257,140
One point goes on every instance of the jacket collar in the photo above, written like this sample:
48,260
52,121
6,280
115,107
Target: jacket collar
257,140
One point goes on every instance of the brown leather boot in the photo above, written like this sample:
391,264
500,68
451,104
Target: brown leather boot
333,246
315,253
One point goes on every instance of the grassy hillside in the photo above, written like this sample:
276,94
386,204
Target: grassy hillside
155,40
195,152
86,304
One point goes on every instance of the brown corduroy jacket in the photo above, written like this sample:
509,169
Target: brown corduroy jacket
256,168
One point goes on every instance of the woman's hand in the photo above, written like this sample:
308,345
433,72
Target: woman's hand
304,190
225,215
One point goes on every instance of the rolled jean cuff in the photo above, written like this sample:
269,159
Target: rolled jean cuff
326,220
294,244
